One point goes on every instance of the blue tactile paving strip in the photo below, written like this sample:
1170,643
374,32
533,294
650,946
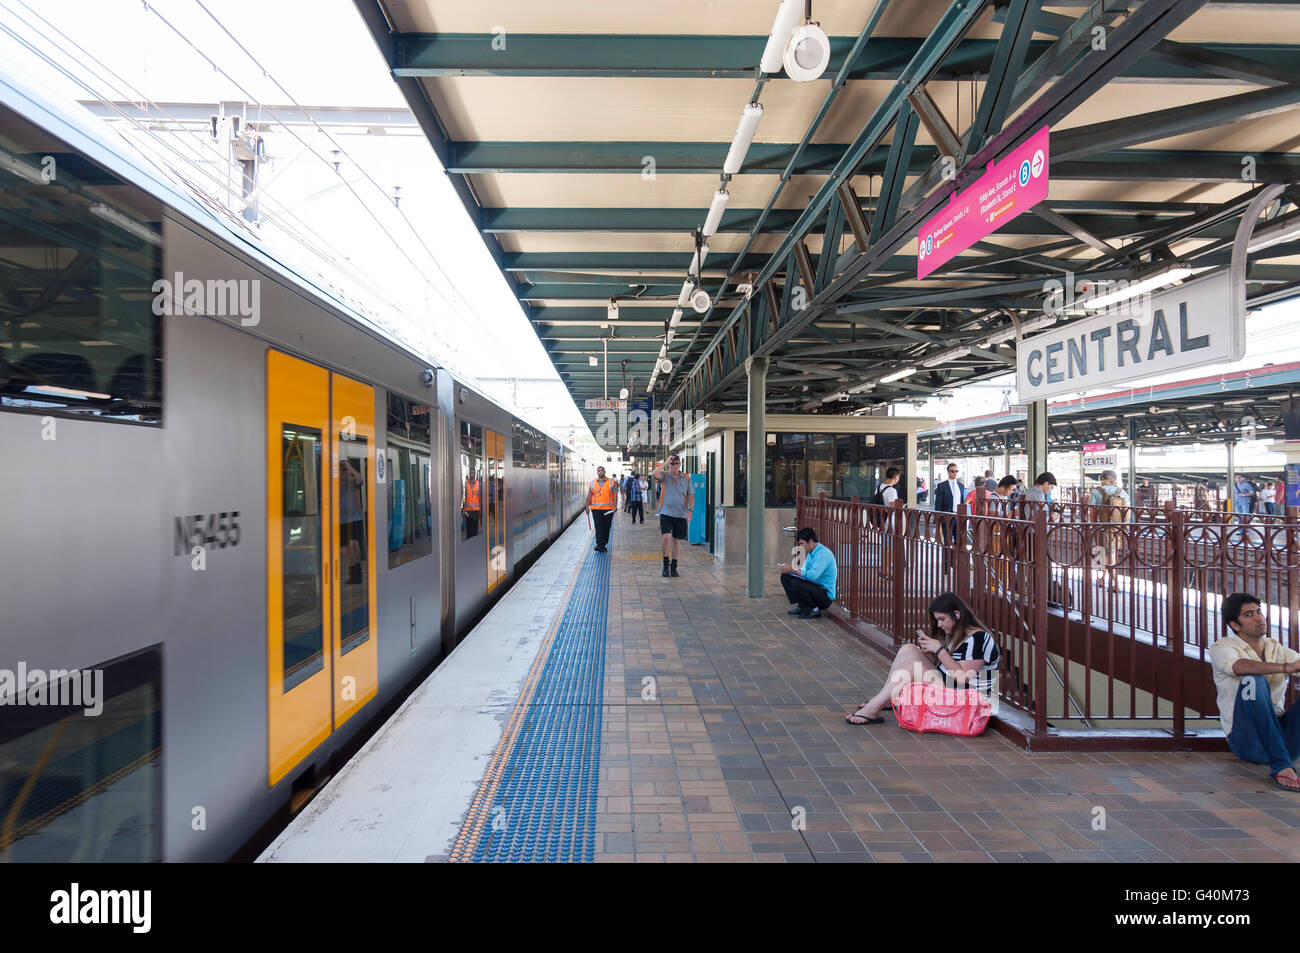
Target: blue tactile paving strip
545,805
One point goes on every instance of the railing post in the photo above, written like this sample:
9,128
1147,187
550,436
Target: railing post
1292,582
1174,624
960,557
1042,580
897,530
854,538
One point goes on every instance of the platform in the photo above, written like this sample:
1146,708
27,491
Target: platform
736,743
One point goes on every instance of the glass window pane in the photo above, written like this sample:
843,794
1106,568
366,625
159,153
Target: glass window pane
410,512
304,638
472,478
786,468
79,331
821,471
354,554
79,788
742,484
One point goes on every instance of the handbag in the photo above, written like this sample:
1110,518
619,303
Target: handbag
928,706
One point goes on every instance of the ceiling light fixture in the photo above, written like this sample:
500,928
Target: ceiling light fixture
716,208
898,375
1275,233
22,169
697,260
676,319
807,54
700,300
943,357
740,144
1166,276
787,18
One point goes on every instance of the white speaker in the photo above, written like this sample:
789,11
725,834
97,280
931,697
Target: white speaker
665,366
700,300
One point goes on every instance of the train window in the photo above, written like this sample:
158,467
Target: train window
472,479
81,767
304,639
410,509
79,255
354,559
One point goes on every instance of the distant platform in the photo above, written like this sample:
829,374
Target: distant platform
721,737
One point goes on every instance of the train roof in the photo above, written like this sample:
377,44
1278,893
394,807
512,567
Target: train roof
89,135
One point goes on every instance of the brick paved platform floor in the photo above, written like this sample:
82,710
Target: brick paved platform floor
724,729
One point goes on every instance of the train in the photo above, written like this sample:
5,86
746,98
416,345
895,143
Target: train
241,523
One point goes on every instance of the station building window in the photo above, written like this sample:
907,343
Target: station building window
79,255
841,466
410,491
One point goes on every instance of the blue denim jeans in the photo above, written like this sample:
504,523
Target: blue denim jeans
1260,735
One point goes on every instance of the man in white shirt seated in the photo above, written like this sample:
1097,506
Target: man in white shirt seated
1251,672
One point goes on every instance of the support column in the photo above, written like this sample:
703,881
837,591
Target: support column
1036,439
1231,491
756,477
929,473
1132,461
1006,455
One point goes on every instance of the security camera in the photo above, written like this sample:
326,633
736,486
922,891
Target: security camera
700,300
426,377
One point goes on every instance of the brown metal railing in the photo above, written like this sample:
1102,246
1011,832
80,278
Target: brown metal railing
1097,621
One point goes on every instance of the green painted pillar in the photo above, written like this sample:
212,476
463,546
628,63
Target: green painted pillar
756,477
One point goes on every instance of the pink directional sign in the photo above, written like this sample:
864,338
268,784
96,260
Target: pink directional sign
1013,185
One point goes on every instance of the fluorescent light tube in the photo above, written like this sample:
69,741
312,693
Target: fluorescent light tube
50,390
749,118
668,338
676,319
716,208
787,18
898,375
1275,233
1135,288
684,298
944,357
127,224
697,259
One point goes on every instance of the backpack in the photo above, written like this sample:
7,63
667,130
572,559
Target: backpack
1112,505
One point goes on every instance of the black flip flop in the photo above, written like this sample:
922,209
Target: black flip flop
868,721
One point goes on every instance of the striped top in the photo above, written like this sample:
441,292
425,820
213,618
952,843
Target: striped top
977,645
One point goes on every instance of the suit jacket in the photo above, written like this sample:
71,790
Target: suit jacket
943,496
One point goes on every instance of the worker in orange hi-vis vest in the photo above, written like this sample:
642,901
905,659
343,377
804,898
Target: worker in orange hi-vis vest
473,508
602,501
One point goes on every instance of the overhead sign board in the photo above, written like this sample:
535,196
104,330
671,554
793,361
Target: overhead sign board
643,403
1012,185
1101,461
596,403
1173,330
1094,447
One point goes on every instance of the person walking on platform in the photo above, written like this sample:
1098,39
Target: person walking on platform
811,590
1245,496
635,498
676,501
602,500
1251,672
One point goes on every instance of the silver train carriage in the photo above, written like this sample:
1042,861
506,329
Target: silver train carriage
240,525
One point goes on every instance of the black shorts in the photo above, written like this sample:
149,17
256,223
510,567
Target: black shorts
673,524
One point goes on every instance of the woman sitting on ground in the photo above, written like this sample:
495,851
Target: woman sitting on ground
958,652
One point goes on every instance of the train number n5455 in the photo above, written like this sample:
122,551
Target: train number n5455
214,531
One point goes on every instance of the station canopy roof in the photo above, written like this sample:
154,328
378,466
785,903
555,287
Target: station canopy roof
587,141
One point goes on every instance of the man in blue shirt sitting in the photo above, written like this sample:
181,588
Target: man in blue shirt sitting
812,589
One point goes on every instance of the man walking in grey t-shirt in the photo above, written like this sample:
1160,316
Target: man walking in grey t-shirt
676,501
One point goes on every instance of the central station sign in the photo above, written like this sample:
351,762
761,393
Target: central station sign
1014,185
1179,328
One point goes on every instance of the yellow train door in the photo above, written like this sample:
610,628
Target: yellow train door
322,662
